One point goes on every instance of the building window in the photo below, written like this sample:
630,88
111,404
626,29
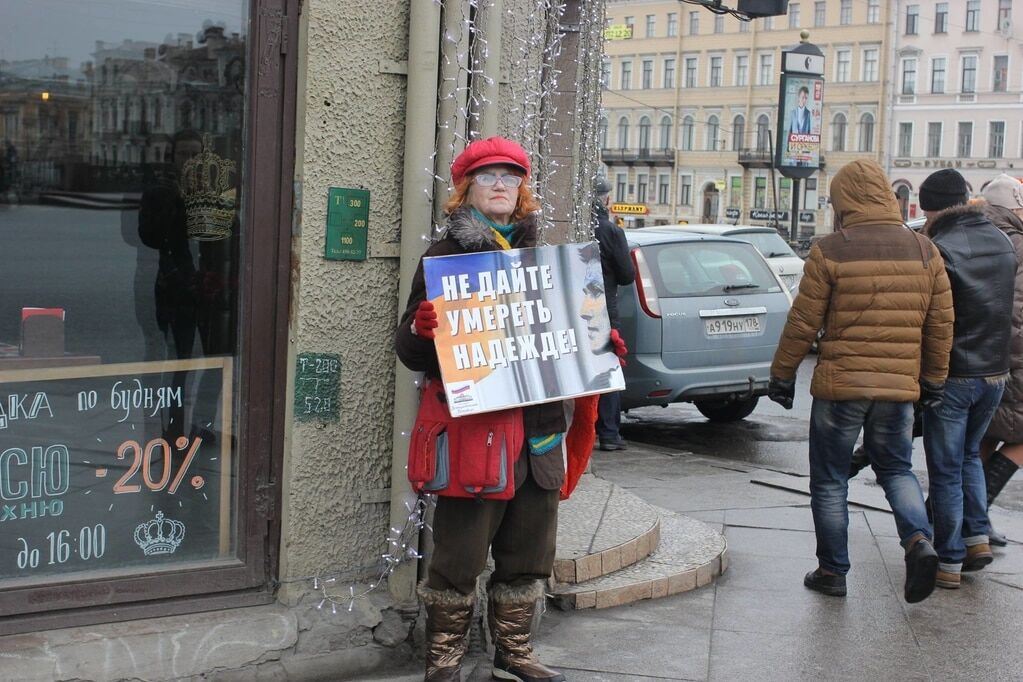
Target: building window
843,65
719,23
969,84
934,139
912,20
672,24
819,13
694,23
794,15
625,82
744,26
742,70
651,25
644,135
1000,75
691,65
735,192
938,75
620,187
713,133
996,139
647,74
623,133
715,71
845,13
972,15
1004,12
873,11
738,132
605,72
686,134
602,133
685,190
908,76
760,192
641,182
629,21
763,133
941,17
666,132
905,139
867,132
768,23
964,143
870,57
669,73
663,182
838,125
766,69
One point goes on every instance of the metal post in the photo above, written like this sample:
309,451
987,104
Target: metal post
774,181
794,226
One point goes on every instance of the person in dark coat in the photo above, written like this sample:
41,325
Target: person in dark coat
981,265
491,208
1004,208
618,270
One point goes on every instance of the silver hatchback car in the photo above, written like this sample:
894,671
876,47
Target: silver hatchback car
702,322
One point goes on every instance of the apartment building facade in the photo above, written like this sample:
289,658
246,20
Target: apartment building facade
690,107
957,100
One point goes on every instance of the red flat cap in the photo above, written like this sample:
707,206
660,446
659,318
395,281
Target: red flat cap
489,152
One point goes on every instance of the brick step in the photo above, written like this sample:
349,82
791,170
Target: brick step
601,529
690,554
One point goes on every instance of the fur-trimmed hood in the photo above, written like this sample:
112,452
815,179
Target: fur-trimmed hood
951,216
472,234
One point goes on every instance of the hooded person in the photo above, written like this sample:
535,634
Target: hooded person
881,296
981,265
1004,208
492,207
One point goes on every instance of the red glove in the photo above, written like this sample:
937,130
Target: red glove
619,346
425,321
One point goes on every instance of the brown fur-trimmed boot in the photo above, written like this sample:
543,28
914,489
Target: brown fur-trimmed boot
510,617
448,615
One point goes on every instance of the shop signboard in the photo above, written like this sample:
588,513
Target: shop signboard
807,217
347,223
521,326
732,213
765,214
630,209
96,476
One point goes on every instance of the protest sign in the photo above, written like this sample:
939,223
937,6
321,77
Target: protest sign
521,326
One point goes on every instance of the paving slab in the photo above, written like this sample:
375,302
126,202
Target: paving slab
729,490
862,493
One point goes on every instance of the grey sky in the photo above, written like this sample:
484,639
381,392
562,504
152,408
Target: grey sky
32,29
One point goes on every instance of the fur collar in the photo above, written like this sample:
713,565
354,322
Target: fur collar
952,215
472,234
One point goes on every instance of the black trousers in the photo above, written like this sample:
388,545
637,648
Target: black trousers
521,533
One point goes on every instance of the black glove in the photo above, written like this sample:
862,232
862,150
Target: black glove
781,391
931,394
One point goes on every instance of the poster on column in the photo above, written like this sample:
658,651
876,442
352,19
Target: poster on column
521,326
802,103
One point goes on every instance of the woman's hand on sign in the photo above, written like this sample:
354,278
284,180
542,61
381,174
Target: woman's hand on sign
425,321
619,346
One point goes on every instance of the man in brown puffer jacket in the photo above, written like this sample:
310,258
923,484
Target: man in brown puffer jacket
881,296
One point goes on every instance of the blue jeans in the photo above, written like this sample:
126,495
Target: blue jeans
952,435
888,437
609,417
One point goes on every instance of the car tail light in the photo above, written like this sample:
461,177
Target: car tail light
645,286
659,393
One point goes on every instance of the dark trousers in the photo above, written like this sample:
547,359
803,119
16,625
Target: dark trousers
609,417
521,533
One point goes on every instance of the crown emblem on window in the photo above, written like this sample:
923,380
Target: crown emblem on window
210,198
159,535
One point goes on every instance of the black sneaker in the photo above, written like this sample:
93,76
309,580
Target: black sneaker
921,571
605,445
831,585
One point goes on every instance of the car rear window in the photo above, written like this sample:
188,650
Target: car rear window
708,269
770,243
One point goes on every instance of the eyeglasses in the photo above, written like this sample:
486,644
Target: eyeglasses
489,180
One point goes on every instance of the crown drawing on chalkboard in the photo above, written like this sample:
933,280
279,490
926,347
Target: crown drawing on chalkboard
209,194
159,535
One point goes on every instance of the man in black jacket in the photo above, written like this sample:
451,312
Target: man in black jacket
981,266
617,268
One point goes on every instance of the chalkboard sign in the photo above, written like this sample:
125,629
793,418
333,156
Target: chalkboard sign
116,466
317,387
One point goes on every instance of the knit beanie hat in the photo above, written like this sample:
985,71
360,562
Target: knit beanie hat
943,189
1005,191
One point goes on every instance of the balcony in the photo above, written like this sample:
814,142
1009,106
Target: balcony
644,156
755,157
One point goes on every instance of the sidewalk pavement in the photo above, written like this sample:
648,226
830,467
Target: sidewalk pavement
757,621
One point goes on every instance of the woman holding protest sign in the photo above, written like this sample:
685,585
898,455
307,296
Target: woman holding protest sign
491,208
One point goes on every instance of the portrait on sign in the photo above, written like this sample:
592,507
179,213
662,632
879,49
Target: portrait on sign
802,104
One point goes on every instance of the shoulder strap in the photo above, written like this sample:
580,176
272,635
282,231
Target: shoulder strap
925,252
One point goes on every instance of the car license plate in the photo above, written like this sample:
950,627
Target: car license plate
719,326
